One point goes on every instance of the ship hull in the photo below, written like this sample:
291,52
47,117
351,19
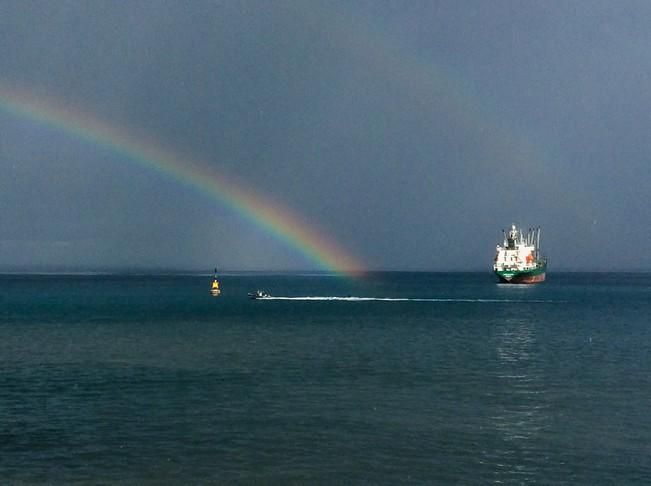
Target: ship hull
535,275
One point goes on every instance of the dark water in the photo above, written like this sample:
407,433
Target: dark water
150,380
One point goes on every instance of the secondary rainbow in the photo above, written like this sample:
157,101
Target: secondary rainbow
275,219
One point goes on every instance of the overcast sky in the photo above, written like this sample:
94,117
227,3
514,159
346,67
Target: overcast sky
411,132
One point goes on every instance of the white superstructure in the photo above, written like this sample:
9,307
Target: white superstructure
519,252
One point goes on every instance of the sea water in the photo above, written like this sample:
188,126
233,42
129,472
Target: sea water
394,378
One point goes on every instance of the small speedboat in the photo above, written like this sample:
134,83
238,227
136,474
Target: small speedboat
258,294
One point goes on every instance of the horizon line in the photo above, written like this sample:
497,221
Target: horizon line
297,272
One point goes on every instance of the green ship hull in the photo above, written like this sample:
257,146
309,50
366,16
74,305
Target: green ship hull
530,276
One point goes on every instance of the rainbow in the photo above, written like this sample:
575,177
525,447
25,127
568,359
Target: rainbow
277,220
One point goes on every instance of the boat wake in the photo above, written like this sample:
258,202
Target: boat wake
406,299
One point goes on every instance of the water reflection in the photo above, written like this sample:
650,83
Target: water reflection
519,413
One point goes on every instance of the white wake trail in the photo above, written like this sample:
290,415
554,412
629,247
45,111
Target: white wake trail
400,299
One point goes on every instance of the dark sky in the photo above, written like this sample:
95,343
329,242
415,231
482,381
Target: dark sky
411,132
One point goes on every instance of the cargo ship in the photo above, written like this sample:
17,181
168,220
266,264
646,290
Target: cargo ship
518,259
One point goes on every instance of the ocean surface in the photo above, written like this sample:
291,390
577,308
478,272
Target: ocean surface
396,378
